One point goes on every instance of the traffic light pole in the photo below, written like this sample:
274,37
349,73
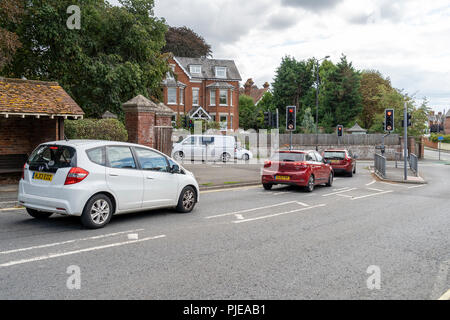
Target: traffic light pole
405,143
290,141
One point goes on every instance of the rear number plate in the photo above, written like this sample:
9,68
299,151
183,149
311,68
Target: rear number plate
335,161
42,176
282,178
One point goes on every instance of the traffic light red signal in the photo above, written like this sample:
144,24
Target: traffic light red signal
290,118
389,120
340,130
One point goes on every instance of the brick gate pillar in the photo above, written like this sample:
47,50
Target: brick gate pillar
140,120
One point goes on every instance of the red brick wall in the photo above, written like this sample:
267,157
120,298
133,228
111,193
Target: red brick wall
447,125
140,127
164,121
21,136
204,98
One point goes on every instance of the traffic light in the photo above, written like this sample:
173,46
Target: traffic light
389,120
408,119
268,119
290,118
191,124
340,130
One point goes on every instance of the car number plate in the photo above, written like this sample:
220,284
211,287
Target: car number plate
42,176
335,161
282,178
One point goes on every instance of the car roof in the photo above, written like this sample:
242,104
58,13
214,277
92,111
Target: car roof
340,150
90,143
295,151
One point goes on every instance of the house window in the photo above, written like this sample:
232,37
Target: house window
181,96
195,100
169,75
231,98
213,117
195,69
172,95
212,97
223,97
231,121
221,72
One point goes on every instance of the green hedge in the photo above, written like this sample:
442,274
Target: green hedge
103,129
434,138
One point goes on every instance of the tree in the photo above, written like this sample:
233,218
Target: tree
184,42
308,125
248,114
11,12
293,82
341,95
115,56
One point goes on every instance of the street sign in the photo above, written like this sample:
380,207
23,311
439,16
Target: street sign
440,138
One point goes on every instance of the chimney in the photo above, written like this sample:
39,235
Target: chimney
248,86
266,85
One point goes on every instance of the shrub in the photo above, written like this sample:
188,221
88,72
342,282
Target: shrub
103,129
434,138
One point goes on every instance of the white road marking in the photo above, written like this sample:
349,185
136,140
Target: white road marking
249,210
340,189
303,204
333,193
62,254
230,189
133,236
372,195
11,209
8,201
418,186
371,183
278,193
445,296
69,241
373,189
393,184
239,216
278,214
344,195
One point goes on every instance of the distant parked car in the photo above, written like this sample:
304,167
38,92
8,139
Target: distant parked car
300,168
205,147
96,179
243,154
341,160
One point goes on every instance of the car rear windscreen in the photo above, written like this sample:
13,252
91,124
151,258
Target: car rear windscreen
288,157
49,158
334,155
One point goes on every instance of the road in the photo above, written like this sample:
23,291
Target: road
246,243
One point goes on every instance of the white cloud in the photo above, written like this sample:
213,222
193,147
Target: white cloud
406,40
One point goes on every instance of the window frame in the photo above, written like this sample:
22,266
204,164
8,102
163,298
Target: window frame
216,72
193,66
103,148
168,101
195,89
151,150
226,97
108,163
211,92
181,93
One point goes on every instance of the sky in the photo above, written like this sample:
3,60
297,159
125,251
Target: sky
406,40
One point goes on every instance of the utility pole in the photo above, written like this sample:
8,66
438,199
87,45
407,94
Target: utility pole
405,136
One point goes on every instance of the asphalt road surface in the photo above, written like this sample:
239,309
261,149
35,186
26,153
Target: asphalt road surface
245,243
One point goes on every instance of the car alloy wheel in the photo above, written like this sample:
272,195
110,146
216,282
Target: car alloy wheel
310,184
179,156
188,199
246,157
225,157
100,211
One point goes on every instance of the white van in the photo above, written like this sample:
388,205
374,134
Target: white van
205,147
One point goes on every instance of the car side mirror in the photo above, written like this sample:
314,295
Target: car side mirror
175,168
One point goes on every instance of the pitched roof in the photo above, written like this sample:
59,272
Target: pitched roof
37,97
356,128
253,91
142,102
208,68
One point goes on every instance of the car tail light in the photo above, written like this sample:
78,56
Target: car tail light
300,165
76,175
267,164
23,170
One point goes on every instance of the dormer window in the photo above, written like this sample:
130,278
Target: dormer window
195,69
221,72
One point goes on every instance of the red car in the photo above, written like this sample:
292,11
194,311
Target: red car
342,161
299,168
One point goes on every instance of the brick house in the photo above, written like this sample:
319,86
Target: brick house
447,123
436,122
252,90
31,112
203,88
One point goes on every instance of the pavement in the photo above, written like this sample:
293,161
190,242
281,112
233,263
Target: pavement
359,239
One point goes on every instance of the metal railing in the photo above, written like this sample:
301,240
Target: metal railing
414,163
380,164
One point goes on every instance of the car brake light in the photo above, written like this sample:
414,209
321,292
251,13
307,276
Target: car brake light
267,164
53,148
76,175
23,170
300,165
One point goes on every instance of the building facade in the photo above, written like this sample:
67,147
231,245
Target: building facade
202,88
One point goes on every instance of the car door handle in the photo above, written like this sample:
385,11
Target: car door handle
113,174
150,178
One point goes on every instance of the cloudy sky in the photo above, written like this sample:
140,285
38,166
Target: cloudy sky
407,40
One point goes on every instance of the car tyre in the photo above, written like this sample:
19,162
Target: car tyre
97,212
354,169
330,180
350,174
310,186
39,214
179,156
246,157
225,157
187,200
267,186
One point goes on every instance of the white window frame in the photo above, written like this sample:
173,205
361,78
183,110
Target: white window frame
168,95
181,96
226,95
231,98
212,102
195,69
198,96
219,70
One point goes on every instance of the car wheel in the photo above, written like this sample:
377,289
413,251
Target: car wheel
330,180
39,214
187,200
267,186
97,212
354,169
246,157
179,156
310,186
350,174
225,157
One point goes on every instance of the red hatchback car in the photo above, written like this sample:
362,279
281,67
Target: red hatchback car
299,168
342,161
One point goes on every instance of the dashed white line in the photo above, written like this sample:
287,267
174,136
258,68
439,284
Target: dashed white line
418,186
378,190
371,183
69,241
333,193
249,210
278,214
239,216
372,195
62,254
